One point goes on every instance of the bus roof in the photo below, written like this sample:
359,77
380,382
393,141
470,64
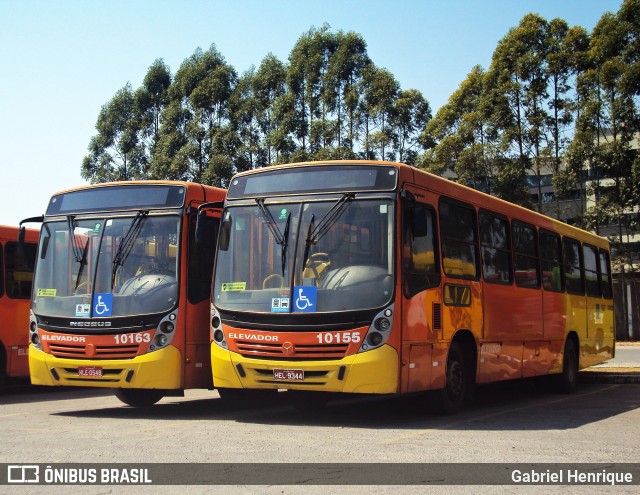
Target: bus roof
460,192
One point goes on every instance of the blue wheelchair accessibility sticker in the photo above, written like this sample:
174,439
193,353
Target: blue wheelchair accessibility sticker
304,298
102,304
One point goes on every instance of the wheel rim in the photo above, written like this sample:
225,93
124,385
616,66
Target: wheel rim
455,381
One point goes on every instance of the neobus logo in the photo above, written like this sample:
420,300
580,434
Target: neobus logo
63,338
85,324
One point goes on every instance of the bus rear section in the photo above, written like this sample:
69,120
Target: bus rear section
121,290
16,278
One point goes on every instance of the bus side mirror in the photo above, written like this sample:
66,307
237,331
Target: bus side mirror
200,226
225,232
201,220
22,232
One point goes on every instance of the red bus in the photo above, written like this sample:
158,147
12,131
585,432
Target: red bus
375,277
16,277
121,289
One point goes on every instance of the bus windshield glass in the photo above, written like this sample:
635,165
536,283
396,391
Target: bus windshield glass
320,256
107,267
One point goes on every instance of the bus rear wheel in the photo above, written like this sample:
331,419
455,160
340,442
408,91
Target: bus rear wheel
566,382
453,396
139,397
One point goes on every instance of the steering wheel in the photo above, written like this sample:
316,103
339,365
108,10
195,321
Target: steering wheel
272,277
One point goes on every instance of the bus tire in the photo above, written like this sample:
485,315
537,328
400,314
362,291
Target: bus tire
139,397
566,382
457,388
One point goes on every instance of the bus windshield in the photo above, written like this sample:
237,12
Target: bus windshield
105,267
320,256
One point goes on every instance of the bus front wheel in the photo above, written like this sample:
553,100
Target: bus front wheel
139,397
453,396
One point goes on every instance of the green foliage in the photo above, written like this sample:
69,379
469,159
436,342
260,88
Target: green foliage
555,99
205,123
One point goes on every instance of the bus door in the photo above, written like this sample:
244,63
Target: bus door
199,259
420,289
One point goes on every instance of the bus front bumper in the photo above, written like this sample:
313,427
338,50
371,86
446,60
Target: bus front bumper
160,369
372,372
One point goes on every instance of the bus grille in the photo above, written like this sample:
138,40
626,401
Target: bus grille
101,351
302,352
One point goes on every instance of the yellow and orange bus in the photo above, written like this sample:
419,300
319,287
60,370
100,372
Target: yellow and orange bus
376,277
122,287
16,277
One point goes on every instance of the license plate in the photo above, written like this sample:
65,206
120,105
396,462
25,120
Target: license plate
288,375
90,371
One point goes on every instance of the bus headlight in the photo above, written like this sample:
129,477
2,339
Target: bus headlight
379,330
34,337
217,334
165,332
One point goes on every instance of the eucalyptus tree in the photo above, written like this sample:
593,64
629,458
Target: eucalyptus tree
151,99
341,86
455,138
567,60
609,124
244,115
269,87
203,86
308,62
115,152
519,82
380,91
410,115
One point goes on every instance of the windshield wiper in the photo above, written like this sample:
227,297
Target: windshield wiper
280,238
127,243
315,233
79,251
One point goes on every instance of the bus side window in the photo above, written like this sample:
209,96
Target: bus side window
495,248
459,240
605,275
551,261
19,270
420,260
573,266
525,255
592,283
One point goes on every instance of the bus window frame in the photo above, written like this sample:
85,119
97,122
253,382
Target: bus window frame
476,251
519,223
609,286
597,284
408,211
570,240
508,250
548,233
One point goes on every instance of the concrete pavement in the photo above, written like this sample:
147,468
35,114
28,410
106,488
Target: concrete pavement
624,368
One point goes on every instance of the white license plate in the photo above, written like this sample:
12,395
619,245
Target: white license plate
284,375
90,371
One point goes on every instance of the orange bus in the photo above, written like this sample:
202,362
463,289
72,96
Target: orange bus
376,277
122,286
16,277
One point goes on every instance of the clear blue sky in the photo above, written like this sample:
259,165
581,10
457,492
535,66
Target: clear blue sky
60,61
